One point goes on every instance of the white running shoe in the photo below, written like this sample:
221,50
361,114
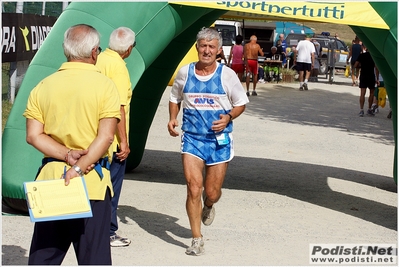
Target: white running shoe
197,247
118,241
208,214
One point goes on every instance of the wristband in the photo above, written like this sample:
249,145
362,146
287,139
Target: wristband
67,156
78,170
231,117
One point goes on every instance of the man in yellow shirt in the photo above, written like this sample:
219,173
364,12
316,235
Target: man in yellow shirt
71,118
111,63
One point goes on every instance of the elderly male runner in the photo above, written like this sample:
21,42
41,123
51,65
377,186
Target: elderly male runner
211,96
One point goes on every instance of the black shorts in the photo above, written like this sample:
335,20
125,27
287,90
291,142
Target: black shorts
90,238
302,66
367,82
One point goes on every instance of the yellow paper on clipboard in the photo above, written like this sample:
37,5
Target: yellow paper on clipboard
52,200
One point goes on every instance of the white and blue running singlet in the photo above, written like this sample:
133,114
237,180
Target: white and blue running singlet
204,101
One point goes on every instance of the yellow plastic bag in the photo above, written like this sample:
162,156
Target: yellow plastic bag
347,70
382,96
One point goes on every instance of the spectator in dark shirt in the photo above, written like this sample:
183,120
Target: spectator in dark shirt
354,52
367,79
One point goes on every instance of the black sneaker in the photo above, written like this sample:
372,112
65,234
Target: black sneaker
370,112
389,115
361,113
301,88
247,93
254,93
373,108
305,86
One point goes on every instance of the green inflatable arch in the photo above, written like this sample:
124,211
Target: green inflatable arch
382,45
165,32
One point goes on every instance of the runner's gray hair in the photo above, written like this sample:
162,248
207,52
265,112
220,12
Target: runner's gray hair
209,34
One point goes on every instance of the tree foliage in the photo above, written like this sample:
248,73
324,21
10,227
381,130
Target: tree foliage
51,8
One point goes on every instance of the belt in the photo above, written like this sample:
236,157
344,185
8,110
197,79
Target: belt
102,163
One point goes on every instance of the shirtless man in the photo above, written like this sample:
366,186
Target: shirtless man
251,51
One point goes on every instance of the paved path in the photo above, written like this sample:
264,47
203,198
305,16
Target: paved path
307,170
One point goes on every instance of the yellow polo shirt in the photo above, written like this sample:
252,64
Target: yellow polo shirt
113,66
70,103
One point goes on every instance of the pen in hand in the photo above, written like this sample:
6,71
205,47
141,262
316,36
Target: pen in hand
63,176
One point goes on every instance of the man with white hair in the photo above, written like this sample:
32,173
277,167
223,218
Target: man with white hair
281,45
211,96
73,110
111,63
251,52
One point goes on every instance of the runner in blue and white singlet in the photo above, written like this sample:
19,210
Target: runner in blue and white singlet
211,97
204,99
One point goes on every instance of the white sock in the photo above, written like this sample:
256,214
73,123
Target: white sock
306,81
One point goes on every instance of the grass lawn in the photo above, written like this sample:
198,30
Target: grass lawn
5,105
344,32
5,111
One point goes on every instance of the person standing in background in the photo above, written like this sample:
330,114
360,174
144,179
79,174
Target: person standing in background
304,61
237,54
112,64
367,79
354,53
251,52
281,45
76,108
379,83
220,57
315,71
